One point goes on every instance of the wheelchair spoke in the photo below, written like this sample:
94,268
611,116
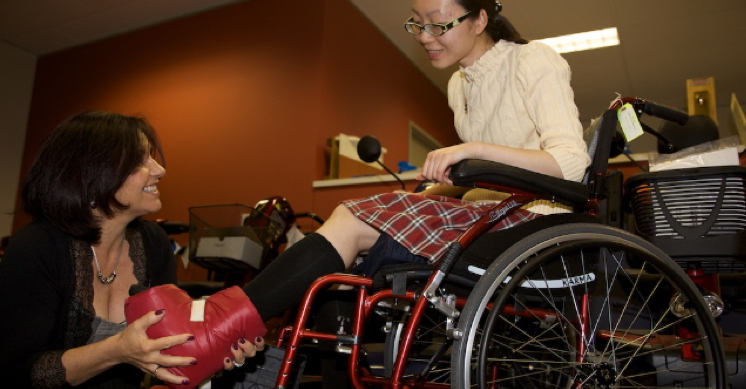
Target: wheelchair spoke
558,335
633,292
672,346
535,342
535,374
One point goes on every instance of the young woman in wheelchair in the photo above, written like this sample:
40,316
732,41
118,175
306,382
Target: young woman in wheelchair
512,103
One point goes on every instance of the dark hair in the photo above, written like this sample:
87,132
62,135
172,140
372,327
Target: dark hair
498,26
81,165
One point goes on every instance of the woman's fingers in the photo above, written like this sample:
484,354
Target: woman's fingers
259,343
430,166
162,373
437,165
238,353
170,360
148,320
238,358
146,353
167,342
438,162
250,349
242,350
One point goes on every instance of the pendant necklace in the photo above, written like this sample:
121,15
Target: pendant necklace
113,275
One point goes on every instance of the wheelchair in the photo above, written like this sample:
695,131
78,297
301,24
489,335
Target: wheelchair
563,301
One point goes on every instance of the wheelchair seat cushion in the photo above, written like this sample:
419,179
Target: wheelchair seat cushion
475,259
486,248
226,317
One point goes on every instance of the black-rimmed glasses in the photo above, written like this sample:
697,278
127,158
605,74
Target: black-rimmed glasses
434,29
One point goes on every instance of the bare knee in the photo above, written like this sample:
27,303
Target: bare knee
343,222
342,213
348,234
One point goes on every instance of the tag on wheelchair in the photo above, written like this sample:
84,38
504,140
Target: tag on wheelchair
631,127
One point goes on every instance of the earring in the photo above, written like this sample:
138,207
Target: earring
93,203
498,7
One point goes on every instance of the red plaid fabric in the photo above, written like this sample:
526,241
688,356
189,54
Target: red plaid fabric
425,224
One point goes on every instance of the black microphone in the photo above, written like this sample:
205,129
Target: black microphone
369,150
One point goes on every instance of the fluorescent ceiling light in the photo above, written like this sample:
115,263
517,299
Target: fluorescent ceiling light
583,41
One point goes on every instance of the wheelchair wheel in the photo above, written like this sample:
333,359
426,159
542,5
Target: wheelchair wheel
586,306
429,358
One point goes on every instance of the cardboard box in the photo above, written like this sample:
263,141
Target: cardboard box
239,248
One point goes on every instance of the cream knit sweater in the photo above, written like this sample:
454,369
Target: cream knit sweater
520,96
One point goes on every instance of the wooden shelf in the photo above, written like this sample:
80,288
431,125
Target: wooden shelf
362,180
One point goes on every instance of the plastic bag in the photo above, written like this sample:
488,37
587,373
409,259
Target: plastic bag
721,152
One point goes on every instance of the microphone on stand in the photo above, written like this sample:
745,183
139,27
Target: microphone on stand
369,150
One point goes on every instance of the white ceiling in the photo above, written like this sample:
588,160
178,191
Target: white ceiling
46,26
663,42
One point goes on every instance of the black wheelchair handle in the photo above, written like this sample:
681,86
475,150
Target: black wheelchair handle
475,173
648,107
665,113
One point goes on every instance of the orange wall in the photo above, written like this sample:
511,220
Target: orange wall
244,98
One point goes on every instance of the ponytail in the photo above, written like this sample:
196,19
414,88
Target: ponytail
498,26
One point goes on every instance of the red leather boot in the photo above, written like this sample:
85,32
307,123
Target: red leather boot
225,317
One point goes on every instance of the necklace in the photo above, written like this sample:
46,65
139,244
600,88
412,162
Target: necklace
113,275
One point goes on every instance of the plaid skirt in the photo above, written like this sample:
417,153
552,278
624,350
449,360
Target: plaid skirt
425,225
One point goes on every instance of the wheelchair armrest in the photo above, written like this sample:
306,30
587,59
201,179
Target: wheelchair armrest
475,173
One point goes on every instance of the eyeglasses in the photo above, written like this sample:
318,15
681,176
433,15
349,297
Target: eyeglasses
434,29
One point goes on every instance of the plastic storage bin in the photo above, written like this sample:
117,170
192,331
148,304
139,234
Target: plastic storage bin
696,214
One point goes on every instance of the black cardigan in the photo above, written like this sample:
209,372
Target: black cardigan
38,319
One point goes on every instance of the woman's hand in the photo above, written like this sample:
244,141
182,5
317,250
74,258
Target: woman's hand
241,350
145,353
438,162
132,346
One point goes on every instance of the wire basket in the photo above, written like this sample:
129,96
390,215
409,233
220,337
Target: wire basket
693,214
230,237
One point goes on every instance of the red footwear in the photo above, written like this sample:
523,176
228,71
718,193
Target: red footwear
227,317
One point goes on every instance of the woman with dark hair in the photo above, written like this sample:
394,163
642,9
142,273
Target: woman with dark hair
66,275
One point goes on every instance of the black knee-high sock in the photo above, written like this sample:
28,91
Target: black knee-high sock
282,284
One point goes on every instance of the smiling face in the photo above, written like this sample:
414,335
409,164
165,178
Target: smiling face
462,44
139,192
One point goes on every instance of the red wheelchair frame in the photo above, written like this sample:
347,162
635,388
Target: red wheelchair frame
366,302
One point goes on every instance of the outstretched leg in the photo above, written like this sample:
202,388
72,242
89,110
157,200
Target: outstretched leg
331,249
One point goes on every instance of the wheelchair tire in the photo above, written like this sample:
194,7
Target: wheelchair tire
522,325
